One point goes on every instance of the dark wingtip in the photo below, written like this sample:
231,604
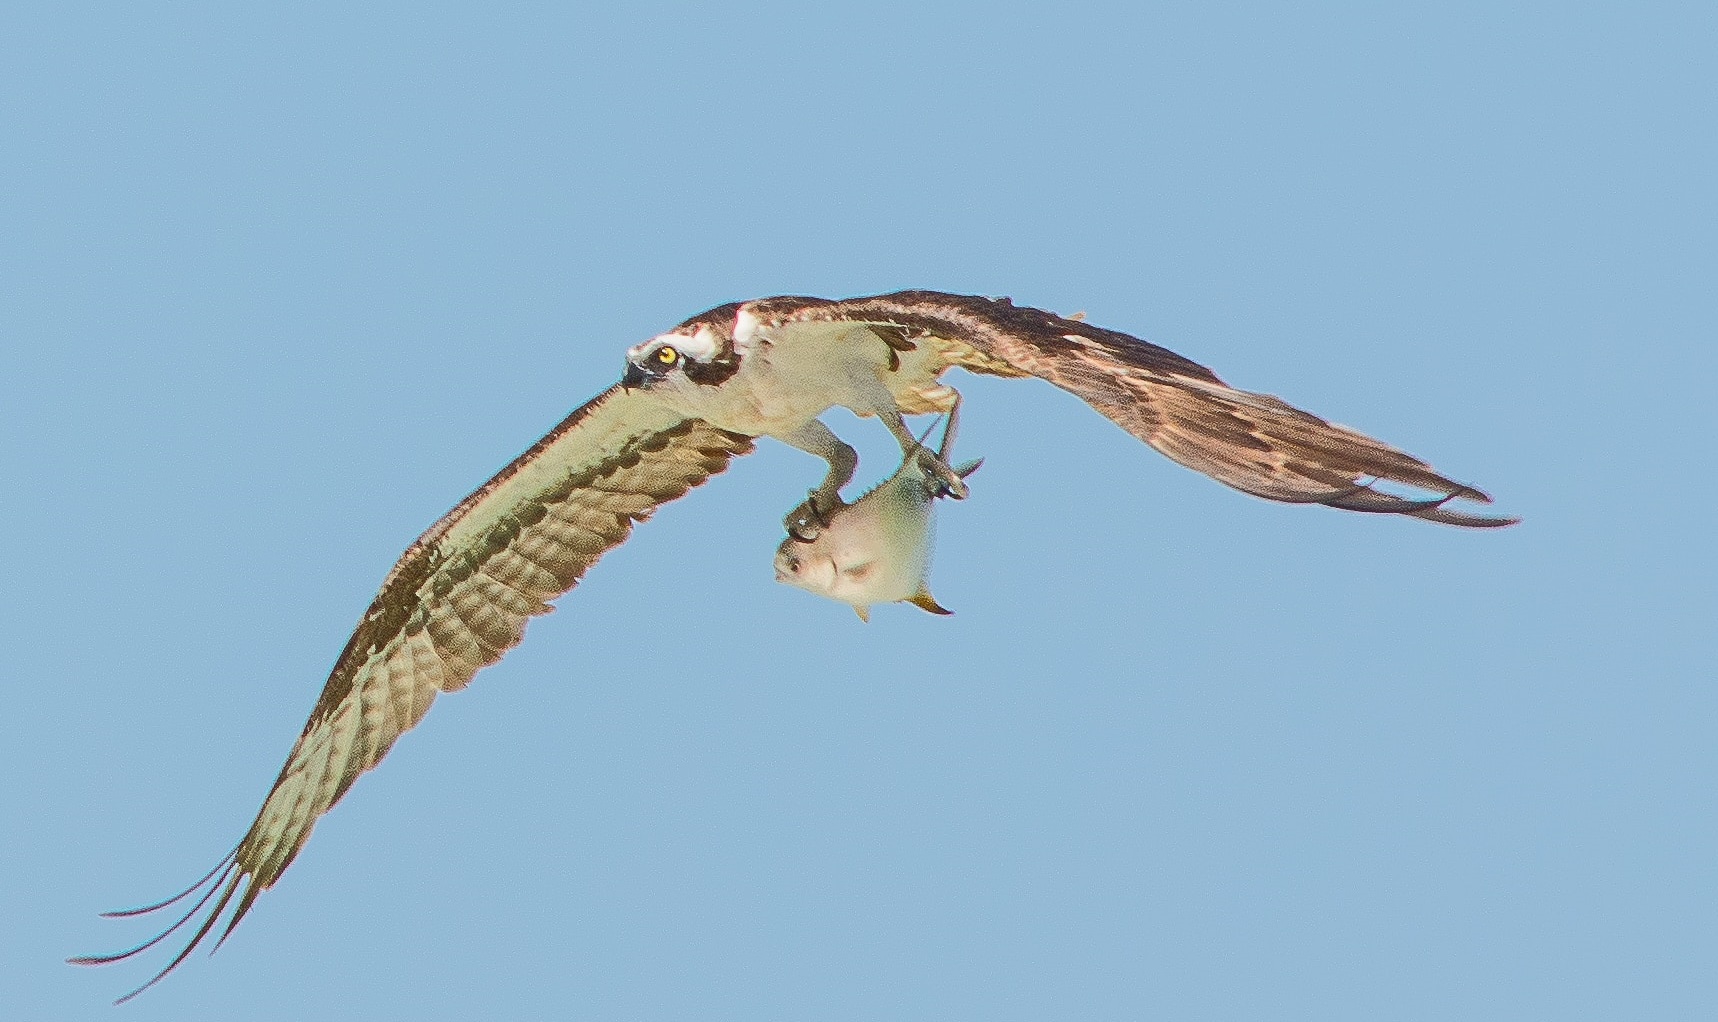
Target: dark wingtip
225,883
127,913
1444,517
1365,499
224,869
243,909
197,938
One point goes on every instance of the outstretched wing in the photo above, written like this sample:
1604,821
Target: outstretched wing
1255,443
458,599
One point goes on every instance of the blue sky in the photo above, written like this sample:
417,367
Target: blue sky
283,284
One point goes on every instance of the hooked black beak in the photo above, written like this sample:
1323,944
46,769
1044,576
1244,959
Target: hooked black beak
633,378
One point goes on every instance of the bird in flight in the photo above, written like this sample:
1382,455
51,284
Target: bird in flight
689,401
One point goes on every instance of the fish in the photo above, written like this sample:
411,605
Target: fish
878,548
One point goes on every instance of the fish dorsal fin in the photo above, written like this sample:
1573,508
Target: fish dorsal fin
925,601
864,614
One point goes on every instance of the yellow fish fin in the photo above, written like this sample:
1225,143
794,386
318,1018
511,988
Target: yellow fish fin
925,601
864,614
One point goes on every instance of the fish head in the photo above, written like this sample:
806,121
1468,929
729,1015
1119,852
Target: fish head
831,568
805,565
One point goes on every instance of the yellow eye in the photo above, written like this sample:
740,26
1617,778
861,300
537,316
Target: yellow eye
667,355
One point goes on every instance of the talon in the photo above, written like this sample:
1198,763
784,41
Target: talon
802,524
814,514
945,481
807,521
948,481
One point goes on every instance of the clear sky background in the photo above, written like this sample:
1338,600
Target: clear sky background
279,286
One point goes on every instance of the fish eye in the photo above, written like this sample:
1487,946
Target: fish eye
667,355
793,565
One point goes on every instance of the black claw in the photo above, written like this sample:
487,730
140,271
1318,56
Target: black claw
819,516
807,521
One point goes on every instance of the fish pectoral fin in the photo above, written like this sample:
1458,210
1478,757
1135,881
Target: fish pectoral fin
859,572
926,602
864,613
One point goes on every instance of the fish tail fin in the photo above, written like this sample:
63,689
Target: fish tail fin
926,602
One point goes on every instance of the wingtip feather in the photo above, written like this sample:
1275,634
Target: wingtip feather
196,939
222,869
128,913
1367,500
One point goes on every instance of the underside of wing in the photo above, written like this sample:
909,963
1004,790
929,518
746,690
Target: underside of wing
458,599
1255,443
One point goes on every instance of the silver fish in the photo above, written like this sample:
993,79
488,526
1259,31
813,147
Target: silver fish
878,548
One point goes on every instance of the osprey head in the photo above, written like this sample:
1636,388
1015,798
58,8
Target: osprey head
695,352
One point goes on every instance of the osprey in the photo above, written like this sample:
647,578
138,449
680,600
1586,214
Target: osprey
690,400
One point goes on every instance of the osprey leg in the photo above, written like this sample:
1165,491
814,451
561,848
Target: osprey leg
948,480
808,519
950,425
